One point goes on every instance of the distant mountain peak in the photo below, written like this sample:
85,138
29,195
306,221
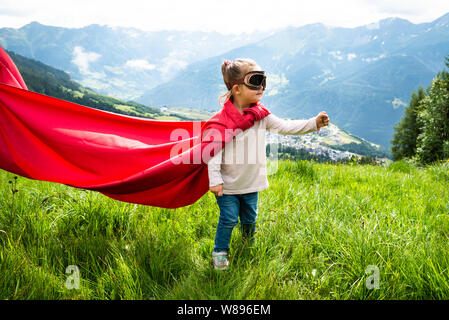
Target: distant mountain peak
32,24
315,26
442,21
35,25
394,21
387,23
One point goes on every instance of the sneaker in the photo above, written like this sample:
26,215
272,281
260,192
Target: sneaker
220,260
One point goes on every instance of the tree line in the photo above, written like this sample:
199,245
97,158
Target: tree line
422,135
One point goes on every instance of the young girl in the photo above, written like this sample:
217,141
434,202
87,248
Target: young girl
235,183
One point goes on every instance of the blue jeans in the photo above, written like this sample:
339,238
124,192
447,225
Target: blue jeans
232,207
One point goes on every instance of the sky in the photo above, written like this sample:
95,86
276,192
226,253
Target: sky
228,16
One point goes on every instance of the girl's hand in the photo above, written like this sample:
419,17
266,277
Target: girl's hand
322,120
217,190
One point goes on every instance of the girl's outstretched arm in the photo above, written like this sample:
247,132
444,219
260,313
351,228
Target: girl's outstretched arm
293,127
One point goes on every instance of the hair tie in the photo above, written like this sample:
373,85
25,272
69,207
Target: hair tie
227,62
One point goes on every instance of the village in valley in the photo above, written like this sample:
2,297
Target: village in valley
321,143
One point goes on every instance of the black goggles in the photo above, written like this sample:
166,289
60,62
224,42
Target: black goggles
254,80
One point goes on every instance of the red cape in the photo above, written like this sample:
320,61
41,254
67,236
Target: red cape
131,159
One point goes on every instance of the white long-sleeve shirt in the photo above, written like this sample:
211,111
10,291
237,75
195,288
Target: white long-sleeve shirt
241,165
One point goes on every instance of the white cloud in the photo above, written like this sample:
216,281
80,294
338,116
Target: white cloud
393,7
14,12
232,16
382,56
336,54
397,103
172,63
140,64
82,59
351,56
326,76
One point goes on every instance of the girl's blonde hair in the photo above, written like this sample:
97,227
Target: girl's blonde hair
233,71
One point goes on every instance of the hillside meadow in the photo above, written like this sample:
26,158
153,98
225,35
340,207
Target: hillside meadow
324,231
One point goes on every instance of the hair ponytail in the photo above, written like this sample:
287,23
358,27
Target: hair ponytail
233,71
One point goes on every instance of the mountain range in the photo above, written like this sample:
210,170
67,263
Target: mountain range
363,77
122,62
331,143
50,81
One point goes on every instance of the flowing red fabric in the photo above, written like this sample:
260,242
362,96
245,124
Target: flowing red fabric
131,159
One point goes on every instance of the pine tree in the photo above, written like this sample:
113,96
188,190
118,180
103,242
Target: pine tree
407,130
433,141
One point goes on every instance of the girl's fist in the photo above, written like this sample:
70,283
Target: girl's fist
322,120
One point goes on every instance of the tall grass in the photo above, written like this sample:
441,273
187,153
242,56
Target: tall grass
319,228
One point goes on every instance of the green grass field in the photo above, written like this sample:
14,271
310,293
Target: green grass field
321,230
